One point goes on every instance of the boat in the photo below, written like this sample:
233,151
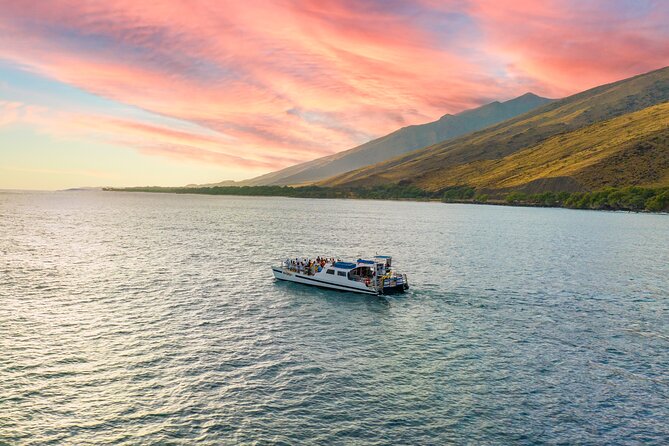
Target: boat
374,276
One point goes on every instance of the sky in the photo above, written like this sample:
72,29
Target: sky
125,92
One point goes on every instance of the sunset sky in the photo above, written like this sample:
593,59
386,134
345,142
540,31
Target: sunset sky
126,92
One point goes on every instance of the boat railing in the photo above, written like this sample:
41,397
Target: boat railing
300,270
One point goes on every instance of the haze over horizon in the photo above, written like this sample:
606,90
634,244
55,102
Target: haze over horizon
121,93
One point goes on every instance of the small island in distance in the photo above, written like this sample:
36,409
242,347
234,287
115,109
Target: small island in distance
605,148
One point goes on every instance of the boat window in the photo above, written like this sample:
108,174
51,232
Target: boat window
341,273
330,271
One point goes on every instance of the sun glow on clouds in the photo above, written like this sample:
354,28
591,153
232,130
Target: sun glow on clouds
254,86
14,111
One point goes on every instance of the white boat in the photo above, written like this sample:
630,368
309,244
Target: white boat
373,276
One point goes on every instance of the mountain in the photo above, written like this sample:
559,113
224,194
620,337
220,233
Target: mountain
226,183
399,142
612,135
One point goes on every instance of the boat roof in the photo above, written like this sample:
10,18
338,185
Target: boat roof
344,265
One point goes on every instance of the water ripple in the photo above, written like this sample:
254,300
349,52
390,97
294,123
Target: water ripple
154,319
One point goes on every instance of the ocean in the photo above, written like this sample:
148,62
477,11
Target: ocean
136,318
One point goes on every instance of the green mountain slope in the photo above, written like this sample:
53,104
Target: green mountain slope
401,141
615,134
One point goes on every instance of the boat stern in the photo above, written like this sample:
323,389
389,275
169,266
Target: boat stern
394,285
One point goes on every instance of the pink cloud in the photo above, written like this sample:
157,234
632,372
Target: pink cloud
9,112
281,82
567,46
13,112
149,138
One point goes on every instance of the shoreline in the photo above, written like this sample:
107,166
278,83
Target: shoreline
489,202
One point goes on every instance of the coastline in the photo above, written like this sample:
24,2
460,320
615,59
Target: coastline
550,200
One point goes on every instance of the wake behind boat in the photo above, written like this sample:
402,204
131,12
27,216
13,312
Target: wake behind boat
362,276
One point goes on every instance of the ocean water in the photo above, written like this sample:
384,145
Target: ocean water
129,318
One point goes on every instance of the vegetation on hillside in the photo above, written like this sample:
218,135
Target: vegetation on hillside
382,192
628,199
619,199
627,150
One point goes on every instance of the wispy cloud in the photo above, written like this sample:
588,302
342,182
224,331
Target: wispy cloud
13,111
566,46
278,82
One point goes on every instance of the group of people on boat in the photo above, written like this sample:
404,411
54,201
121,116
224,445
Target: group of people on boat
308,266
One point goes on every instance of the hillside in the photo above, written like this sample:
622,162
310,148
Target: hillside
612,135
401,141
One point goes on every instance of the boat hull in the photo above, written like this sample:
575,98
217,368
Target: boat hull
397,289
315,281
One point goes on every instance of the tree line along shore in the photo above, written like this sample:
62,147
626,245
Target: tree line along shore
636,199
